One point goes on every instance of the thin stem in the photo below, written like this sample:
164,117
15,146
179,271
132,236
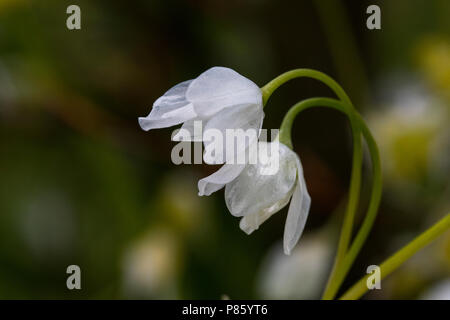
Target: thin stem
367,224
341,270
270,87
397,259
355,179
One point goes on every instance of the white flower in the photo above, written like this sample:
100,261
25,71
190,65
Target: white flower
300,276
255,196
220,98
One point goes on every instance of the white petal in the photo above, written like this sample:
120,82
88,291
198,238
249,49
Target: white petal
251,222
248,118
219,88
170,109
298,212
255,192
218,179
194,135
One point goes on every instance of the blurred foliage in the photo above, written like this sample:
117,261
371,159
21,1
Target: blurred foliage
82,184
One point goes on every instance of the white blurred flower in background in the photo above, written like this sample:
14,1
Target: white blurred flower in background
302,275
411,128
439,291
151,266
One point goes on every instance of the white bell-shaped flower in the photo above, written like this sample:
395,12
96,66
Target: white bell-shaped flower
220,97
255,191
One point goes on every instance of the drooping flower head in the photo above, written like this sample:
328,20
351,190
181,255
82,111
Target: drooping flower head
254,194
220,98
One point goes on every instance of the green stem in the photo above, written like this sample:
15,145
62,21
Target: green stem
270,87
397,259
340,270
367,224
355,179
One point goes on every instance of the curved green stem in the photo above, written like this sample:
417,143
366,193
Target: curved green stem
355,179
270,87
341,269
397,259
367,224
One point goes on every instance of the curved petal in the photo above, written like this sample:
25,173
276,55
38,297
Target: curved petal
218,179
251,222
239,127
259,191
298,212
171,109
218,88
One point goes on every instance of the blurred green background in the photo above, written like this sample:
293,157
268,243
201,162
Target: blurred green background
81,183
